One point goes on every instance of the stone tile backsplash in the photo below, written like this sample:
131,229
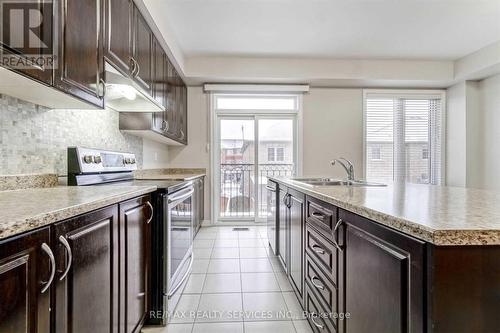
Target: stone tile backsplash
34,139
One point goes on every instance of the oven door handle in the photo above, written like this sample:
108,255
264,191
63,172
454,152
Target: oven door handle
188,272
181,197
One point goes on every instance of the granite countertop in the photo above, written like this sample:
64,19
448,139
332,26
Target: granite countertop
179,177
179,174
436,214
17,182
27,209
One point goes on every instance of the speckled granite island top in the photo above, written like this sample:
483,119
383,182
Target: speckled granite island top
437,214
28,209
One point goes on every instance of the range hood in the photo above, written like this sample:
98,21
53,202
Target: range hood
124,95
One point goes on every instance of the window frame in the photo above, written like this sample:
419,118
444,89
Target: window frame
379,154
273,150
409,94
278,160
214,134
425,153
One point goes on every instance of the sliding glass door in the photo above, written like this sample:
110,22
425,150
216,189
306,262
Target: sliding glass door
251,146
237,168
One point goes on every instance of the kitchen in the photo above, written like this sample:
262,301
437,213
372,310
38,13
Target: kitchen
231,166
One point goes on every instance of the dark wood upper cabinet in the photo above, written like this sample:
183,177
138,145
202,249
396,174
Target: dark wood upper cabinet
384,277
142,52
117,34
183,113
159,76
171,102
136,216
45,32
87,292
159,86
179,106
25,270
81,63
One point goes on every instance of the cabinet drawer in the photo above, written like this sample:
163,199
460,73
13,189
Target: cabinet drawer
322,215
321,320
323,288
322,252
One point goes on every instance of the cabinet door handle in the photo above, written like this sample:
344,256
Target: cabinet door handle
138,68
318,215
319,286
152,212
165,126
269,188
318,249
335,235
101,90
132,66
48,251
316,324
65,243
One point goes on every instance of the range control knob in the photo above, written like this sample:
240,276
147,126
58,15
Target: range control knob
88,159
97,159
132,160
126,160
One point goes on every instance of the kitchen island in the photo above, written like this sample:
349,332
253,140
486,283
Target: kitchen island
400,258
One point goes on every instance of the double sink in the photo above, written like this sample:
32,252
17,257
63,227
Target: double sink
335,182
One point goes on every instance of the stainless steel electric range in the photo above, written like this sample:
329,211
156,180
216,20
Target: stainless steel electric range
172,227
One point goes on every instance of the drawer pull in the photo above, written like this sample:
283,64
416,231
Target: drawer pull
321,327
318,249
319,286
319,216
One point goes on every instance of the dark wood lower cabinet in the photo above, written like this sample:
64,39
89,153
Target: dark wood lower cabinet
284,228
360,276
464,289
199,204
320,318
135,218
384,278
297,230
24,272
86,291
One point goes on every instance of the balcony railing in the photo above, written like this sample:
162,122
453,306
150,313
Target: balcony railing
238,198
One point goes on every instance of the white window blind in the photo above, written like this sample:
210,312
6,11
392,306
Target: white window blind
401,128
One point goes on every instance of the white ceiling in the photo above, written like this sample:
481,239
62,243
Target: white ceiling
393,29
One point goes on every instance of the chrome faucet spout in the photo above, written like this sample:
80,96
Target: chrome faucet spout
347,165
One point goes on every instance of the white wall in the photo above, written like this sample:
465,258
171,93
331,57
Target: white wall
473,134
456,170
489,134
155,154
332,127
474,127
195,154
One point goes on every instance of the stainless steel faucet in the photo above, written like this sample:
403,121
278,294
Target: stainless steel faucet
347,165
